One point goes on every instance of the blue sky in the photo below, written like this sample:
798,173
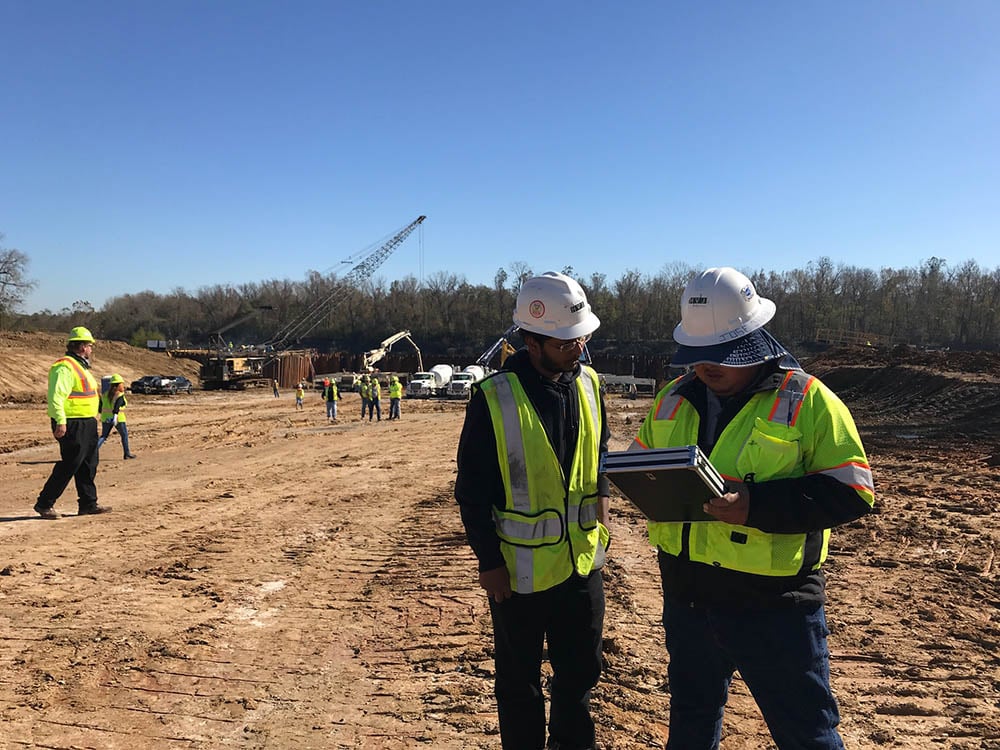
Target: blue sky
157,145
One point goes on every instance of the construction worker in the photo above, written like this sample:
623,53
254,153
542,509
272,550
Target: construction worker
113,405
364,388
330,396
274,386
300,393
374,399
395,395
745,592
73,404
536,513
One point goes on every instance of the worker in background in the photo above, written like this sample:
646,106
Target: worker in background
113,405
745,592
395,396
274,385
300,393
73,404
375,399
364,388
330,397
535,514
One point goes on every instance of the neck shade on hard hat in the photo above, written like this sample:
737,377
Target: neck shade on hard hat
722,323
753,349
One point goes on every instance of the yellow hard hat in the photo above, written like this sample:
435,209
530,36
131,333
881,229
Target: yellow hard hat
79,333
116,378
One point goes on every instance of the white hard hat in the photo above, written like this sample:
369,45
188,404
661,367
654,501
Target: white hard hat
720,305
722,322
554,305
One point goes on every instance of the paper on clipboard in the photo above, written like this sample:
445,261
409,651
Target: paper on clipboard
666,484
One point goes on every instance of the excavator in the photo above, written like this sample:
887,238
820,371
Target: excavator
371,357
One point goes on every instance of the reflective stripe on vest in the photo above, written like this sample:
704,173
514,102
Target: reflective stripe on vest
749,445
83,401
108,408
544,538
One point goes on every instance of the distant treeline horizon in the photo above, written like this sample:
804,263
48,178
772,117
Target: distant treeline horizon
932,305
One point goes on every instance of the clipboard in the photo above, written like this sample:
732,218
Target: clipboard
666,484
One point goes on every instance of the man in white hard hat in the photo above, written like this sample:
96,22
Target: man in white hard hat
745,592
73,405
536,513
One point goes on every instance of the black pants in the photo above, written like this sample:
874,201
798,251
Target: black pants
570,617
78,461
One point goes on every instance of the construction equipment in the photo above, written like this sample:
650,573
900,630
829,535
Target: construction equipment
501,345
308,320
226,369
229,370
372,356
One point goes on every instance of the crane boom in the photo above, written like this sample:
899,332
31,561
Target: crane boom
306,322
375,355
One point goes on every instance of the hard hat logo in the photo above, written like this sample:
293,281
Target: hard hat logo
555,305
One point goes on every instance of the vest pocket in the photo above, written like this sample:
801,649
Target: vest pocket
772,450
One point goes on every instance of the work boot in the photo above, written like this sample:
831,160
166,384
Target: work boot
130,455
49,514
93,510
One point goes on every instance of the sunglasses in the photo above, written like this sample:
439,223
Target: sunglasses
566,346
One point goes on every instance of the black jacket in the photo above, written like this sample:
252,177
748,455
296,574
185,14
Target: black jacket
479,486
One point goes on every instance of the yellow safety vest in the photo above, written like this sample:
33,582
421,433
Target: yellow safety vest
395,389
331,390
108,408
364,389
83,400
549,526
800,428
375,391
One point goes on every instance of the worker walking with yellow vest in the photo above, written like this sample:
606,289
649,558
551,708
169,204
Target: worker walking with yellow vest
330,396
73,404
536,513
395,396
374,399
364,388
745,591
113,405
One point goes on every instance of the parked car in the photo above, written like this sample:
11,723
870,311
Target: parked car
145,384
173,384
162,384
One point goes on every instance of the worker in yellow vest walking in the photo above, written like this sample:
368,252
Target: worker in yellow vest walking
113,405
395,396
536,513
331,396
745,591
73,404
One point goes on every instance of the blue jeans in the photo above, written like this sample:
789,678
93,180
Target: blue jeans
331,409
781,654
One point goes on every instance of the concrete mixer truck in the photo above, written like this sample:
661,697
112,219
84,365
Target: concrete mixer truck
431,383
461,382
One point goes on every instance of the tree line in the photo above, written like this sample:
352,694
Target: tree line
931,305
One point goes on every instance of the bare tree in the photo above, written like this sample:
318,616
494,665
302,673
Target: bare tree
14,284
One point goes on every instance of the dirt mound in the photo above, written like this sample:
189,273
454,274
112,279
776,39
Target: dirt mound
942,360
25,359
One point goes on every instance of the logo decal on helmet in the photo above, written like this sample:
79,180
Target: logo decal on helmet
536,309
578,306
697,300
747,292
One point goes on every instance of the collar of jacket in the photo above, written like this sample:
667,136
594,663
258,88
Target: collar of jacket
520,363
82,360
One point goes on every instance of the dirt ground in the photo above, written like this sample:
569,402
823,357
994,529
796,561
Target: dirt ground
269,580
